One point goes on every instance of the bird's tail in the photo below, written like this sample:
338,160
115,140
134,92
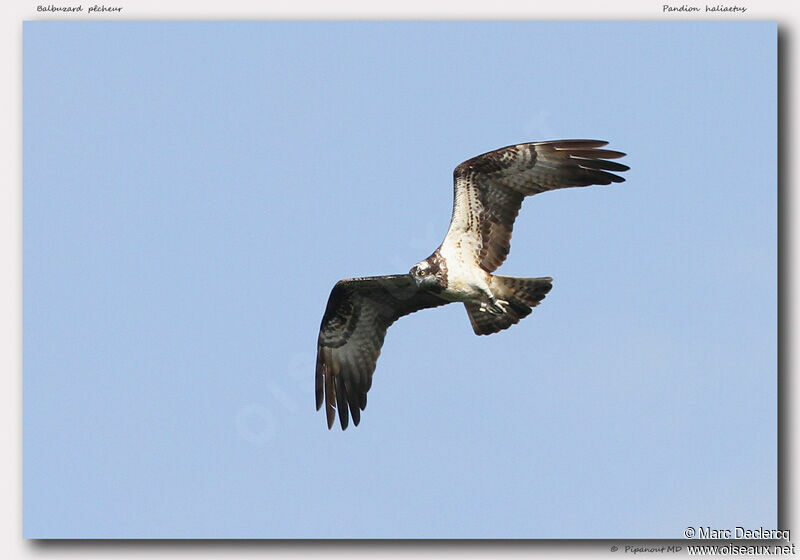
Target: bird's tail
522,294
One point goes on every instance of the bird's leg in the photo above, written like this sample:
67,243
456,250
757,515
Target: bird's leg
490,303
495,306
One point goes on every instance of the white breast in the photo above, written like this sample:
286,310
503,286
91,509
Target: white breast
465,279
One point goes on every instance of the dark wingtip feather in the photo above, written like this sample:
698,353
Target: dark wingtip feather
330,415
596,154
352,400
577,143
341,403
318,380
330,394
588,163
613,178
597,177
318,395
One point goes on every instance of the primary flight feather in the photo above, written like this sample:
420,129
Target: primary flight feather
487,194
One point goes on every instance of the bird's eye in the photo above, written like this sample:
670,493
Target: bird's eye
421,273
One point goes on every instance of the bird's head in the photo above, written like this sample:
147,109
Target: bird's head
430,274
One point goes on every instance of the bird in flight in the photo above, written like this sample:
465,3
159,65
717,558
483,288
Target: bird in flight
487,196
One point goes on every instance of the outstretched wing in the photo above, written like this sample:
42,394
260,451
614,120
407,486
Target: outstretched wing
488,189
351,335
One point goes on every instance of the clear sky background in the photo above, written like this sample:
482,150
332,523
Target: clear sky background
192,191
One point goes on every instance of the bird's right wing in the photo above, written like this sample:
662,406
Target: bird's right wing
359,312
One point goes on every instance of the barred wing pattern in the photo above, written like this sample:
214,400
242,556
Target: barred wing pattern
488,189
359,312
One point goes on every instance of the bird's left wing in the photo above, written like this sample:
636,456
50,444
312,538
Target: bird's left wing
359,312
488,189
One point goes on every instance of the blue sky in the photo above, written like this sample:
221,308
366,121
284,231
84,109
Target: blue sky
193,190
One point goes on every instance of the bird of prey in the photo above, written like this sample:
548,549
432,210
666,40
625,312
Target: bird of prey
487,196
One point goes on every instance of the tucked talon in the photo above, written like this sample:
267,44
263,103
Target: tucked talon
497,306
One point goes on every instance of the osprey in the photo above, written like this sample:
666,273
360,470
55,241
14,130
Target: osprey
487,196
